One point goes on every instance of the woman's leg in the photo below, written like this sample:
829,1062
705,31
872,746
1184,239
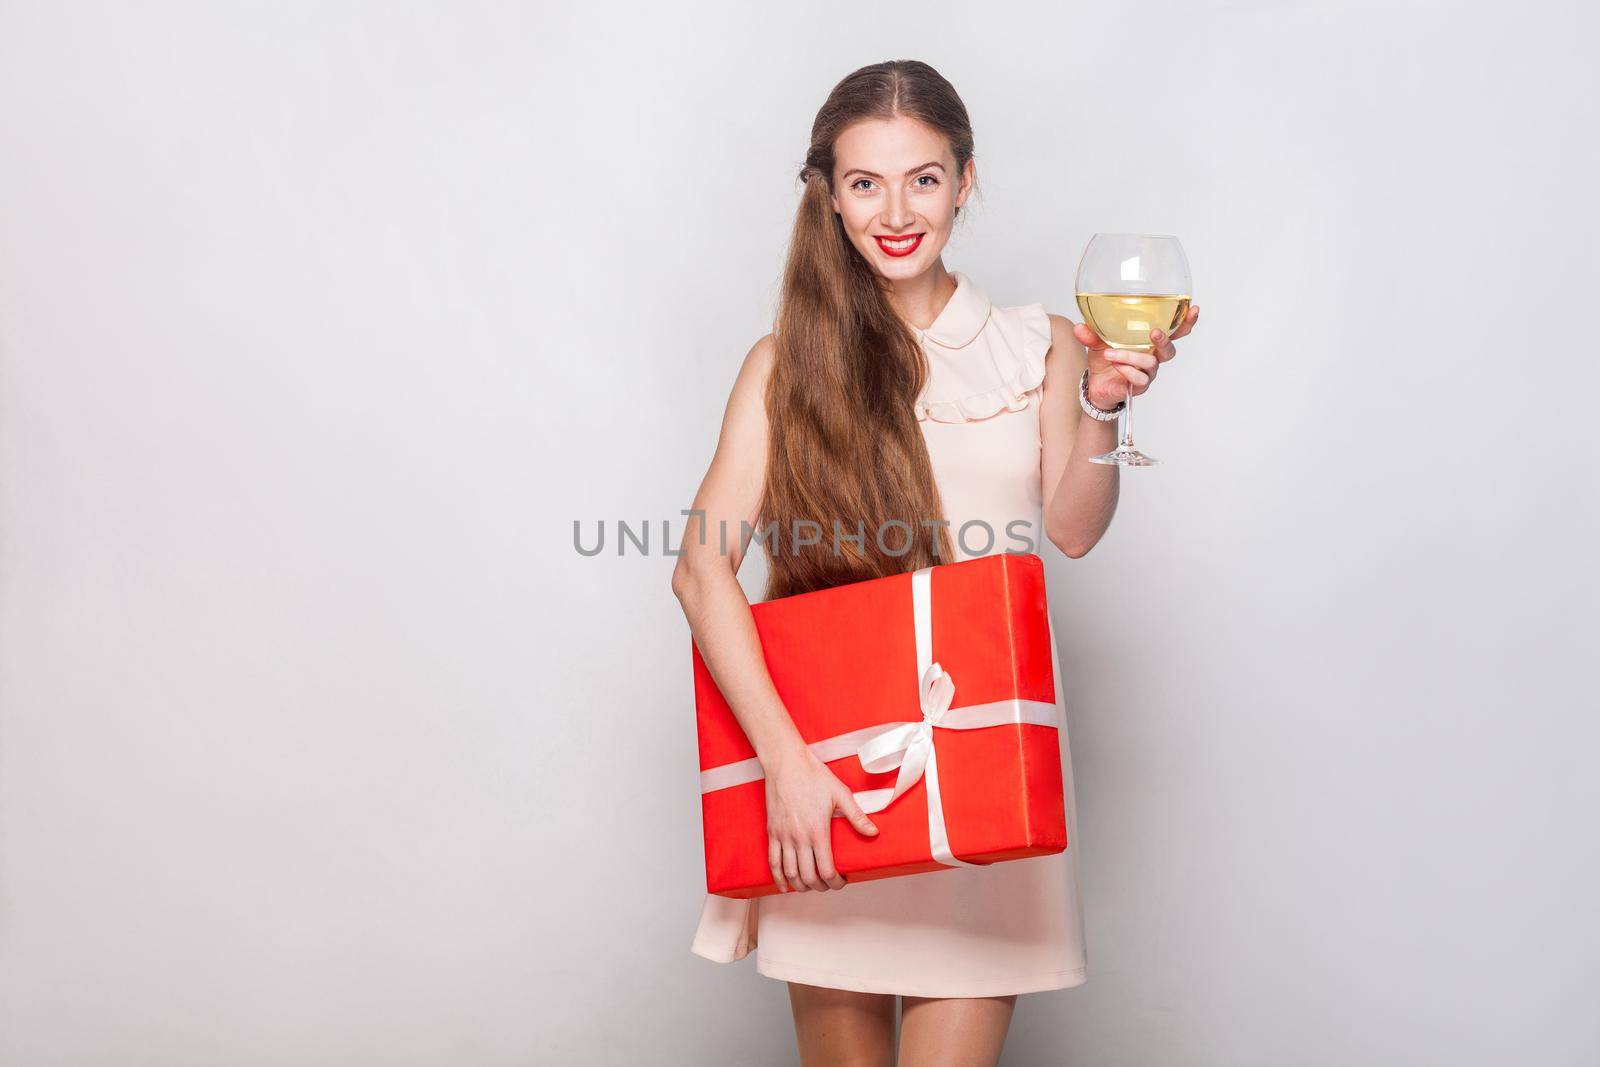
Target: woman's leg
842,1028
954,1031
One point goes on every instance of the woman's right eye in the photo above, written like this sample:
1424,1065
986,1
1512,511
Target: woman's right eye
857,183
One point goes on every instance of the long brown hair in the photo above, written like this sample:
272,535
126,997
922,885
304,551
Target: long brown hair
844,448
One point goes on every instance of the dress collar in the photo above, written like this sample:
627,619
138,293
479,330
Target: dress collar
961,319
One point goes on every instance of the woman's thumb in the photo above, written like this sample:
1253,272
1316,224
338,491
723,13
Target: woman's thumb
853,812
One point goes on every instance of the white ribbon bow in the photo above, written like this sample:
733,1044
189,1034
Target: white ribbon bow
909,746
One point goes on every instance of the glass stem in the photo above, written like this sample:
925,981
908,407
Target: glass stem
1127,419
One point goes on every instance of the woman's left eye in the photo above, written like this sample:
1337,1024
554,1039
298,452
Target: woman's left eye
932,181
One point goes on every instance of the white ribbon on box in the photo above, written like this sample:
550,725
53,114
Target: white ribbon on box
907,745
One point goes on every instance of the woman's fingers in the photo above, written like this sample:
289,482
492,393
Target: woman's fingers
1162,345
804,866
827,873
808,867
846,803
1145,361
1187,324
1133,374
800,811
791,867
775,861
1137,367
1164,349
1087,337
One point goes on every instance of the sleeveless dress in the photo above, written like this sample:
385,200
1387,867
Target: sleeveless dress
1009,927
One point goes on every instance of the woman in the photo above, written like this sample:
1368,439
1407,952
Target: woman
892,391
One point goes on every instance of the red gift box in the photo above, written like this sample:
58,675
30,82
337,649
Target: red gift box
931,685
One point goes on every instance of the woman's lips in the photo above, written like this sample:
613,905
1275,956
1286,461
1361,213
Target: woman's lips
898,246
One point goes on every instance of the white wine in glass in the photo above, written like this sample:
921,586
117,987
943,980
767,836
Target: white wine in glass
1130,284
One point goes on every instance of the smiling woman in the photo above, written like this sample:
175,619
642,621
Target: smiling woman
892,391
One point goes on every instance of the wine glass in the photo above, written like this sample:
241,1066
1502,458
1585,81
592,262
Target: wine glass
1129,284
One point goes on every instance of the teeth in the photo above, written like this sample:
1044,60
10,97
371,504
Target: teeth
899,245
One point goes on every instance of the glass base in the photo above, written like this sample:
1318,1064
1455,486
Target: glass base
1125,456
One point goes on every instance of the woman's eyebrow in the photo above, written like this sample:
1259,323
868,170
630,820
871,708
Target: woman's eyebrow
869,174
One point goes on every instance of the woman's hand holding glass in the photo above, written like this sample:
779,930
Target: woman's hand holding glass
1115,372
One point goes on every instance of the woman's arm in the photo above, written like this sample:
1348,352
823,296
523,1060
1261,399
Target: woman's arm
704,579
1079,497
802,793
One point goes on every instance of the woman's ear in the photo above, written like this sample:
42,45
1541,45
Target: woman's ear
969,177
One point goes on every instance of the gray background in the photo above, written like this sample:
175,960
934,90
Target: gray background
322,323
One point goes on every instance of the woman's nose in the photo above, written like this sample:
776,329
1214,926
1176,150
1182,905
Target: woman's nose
897,213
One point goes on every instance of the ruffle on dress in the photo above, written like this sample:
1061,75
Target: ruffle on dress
982,359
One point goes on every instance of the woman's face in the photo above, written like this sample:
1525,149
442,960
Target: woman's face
896,191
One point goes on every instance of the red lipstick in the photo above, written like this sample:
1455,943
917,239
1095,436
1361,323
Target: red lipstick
916,242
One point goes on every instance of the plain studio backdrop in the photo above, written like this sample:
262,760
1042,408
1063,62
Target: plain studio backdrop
323,324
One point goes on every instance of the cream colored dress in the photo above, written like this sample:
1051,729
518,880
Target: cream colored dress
1010,927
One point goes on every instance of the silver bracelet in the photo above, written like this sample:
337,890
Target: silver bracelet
1092,411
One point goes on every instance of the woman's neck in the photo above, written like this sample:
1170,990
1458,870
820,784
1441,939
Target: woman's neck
919,300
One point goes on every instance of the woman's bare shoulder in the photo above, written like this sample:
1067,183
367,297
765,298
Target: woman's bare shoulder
1067,355
745,418
756,369
762,354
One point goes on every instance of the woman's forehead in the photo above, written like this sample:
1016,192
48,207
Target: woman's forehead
890,147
